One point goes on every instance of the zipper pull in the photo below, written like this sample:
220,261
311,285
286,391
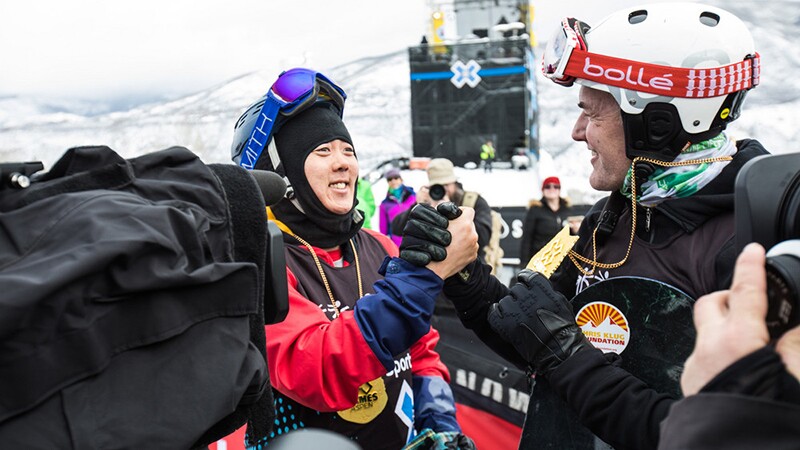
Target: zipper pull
647,219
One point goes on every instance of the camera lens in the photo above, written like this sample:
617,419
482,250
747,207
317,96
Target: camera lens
783,292
767,211
437,191
789,211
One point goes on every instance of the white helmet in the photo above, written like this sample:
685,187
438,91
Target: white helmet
657,40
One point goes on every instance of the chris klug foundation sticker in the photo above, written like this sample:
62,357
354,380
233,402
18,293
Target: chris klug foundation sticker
604,326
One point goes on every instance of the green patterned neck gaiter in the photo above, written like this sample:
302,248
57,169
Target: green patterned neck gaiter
683,181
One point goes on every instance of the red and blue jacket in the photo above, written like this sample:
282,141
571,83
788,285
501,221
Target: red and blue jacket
367,367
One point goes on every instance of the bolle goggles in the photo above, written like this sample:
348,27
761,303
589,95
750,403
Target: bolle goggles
293,92
567,57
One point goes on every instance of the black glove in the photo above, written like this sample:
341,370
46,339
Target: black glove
446,440
538,322
425,235
460,442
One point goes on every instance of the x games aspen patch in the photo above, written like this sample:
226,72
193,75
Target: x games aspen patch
372,399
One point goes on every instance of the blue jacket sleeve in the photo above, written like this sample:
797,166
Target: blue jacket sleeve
400,310
434,406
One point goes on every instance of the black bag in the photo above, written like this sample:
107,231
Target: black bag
131,304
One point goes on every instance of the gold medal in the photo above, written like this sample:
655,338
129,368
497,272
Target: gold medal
372,399
547,260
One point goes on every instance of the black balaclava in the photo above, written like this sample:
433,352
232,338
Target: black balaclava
295,140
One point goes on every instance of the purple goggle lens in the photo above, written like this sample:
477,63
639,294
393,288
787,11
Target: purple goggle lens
299,88
294,84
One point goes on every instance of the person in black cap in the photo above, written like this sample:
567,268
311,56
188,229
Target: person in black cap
355,354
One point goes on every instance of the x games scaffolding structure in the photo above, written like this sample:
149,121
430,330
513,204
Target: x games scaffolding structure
465,90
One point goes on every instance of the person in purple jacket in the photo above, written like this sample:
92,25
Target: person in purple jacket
399,198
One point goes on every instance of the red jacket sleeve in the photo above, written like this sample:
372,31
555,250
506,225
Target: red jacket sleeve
425,360
317,362
386,242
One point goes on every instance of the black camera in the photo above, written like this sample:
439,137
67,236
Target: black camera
767,211
437,191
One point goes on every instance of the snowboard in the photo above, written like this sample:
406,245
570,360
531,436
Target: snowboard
647,322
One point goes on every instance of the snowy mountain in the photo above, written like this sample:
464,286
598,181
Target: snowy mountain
378,111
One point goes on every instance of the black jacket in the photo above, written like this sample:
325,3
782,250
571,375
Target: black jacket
754,403
615,405
540,225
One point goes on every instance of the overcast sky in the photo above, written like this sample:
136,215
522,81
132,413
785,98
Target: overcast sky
149,49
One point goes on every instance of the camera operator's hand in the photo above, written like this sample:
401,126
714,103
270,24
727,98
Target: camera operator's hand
538,322
442,239
788,347
424,196
731,324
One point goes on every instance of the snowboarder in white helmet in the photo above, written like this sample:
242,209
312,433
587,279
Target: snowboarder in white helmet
659,84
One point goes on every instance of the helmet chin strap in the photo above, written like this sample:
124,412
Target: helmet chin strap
275,159
657,133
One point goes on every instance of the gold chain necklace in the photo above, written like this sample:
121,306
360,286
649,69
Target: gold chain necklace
325,279
575,256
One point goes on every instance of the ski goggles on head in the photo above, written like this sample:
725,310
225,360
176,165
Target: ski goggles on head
294,91
567,58
560,48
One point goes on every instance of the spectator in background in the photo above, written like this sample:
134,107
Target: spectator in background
399,198
366,201
545,218
520,160
487,155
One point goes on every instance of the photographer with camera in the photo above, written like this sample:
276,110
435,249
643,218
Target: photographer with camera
742,391
355,354
659,146
443,186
